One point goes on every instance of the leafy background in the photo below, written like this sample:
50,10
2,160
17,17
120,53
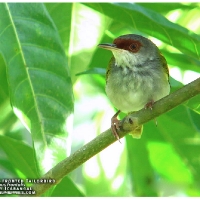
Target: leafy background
44,49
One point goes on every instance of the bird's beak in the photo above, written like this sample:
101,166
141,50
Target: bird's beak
108,46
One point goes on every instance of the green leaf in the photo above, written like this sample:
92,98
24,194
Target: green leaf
38,76
7,170
175,133
194,104
183,61
168,163
7,117
141,170
162,7
20,156
61,14
195,117
151,23
66,188
96,70
4,94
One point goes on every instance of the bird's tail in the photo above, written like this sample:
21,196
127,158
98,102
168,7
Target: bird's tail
137,133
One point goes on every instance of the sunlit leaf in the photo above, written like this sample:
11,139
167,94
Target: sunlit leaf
168,164
39,81
61,14
163,7
183,61
141,171
194,104
4,84
66,188
175,128
152,23
100,71
7,169
21,156
195,116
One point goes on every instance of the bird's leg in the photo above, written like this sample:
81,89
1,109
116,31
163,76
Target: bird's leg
150,105
115,124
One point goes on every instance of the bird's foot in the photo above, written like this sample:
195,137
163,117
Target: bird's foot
150,105
115,125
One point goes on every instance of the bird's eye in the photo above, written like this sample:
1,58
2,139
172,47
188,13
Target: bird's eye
134,47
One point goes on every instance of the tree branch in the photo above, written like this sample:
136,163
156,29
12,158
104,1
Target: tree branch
106,138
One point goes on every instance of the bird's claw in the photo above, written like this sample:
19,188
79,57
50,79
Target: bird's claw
115,125
149,105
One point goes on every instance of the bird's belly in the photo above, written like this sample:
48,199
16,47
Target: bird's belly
133,93
127,101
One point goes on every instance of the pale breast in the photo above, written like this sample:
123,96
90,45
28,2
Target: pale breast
130,91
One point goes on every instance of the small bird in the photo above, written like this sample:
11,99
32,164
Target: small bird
136,77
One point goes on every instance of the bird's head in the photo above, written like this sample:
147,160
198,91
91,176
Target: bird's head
132,50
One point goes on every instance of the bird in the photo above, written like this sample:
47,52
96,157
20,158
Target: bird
137,76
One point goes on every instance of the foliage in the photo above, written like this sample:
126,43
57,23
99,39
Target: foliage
43,49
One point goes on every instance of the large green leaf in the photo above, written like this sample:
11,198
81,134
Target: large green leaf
175,136
84,33
195,117
141,171
7,169
168,163
163,7
152,23
183,61
61,14
66,188
20,156
39,81
4,85
194,104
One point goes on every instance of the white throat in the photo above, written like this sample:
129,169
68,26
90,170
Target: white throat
125,59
